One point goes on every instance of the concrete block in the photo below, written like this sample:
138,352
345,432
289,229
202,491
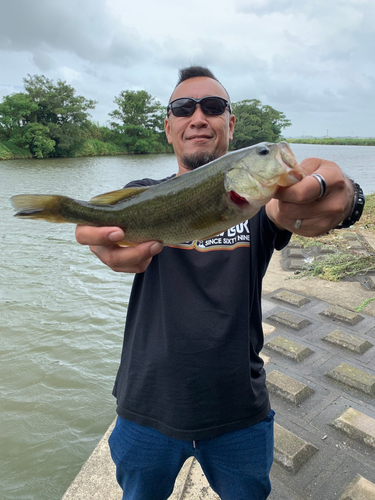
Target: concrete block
294,244
289,348
357,425
291,298
296,264
290,451
359,489
348,341
327,250
341,314
287,387
356,245
367,281
350,236
354,377
295,253
290,320
371,281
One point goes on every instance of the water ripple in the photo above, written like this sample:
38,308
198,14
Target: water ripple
62,317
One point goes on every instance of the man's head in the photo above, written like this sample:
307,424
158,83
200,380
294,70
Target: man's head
201,131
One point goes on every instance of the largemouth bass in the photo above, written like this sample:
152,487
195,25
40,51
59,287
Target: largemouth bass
192,206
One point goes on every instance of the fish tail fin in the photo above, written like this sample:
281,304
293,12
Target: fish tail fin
35,206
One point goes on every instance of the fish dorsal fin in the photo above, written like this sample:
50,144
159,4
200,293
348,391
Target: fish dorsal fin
114,197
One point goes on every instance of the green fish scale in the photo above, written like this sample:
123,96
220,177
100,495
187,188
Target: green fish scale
155,214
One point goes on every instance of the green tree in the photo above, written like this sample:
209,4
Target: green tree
256,123
64,113
37,136
48,118
15,112
138,107
139,122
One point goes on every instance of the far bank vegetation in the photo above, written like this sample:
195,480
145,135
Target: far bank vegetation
49,119
335,141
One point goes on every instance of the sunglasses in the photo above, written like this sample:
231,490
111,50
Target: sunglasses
211,106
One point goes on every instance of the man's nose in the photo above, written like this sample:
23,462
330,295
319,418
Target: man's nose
198,118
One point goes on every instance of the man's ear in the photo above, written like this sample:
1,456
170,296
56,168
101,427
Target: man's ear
232,121
167,129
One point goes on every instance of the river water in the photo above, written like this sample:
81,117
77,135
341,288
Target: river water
62,314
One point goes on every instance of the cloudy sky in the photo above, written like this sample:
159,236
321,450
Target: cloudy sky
314,60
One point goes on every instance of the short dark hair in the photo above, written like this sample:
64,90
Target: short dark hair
196,71
193,72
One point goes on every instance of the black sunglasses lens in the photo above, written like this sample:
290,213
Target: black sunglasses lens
186,106
183,107
213,106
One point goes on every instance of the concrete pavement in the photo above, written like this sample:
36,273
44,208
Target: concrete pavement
319,356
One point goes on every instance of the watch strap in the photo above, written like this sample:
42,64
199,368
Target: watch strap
357,208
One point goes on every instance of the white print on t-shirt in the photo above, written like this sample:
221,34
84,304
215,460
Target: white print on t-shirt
234,237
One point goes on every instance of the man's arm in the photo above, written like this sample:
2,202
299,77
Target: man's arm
301,201
103,243
295,202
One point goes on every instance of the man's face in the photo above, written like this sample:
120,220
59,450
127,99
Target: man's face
199,137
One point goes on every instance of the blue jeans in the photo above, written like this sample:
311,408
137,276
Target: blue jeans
237,464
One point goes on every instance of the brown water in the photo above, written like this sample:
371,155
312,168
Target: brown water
62,314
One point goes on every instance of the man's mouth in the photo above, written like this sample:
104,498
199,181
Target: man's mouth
199,138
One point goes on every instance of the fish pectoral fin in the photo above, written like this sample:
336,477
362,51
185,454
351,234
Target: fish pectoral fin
114,197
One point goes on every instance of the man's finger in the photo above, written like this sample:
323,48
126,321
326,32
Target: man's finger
88,235
127,259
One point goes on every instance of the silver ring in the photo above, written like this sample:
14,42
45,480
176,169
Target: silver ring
323,185
298,224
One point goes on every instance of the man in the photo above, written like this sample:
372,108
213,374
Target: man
191,381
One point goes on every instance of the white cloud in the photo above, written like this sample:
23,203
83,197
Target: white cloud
70,75
308,59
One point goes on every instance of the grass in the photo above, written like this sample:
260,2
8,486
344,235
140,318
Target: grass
367,221
9,151
91,147
343,260
95,147
340,265
364,304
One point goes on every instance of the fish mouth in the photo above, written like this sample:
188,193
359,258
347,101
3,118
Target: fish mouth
258,186
238,200
286,157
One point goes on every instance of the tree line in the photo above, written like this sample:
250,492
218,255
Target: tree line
50,120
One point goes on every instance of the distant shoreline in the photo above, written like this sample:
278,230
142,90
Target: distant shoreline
334,141
108,149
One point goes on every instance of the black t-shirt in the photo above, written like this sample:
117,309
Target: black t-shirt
190,364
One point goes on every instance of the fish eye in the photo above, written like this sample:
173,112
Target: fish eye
263,150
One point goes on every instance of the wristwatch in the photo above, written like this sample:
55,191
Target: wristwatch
357,208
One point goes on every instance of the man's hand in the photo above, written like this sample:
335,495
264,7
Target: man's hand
103,243
301,201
